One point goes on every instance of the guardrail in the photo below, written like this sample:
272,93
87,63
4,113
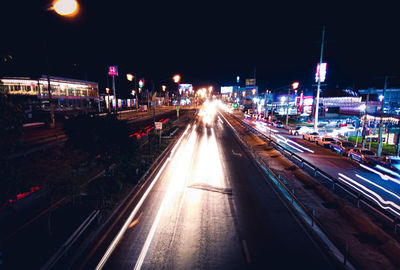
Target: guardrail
334,183
70,241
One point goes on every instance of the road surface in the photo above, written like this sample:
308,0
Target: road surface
211,208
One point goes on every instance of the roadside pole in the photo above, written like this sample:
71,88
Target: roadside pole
365,120
158,126
380,121
319,83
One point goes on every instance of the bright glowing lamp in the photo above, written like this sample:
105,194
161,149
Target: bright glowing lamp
66,7
381,97
295,85
176,78
129,77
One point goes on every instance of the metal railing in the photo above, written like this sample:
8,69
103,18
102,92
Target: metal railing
390,216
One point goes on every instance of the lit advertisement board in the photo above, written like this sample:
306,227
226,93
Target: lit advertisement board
320,72
226,89
186,87
112,71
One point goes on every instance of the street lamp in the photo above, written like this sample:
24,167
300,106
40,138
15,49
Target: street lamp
108,98
65,7
177,78
294,86
130,77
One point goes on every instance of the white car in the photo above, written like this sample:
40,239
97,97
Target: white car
310,136
324,141
299,130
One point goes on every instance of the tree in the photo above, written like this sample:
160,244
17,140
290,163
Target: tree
11,123
11,133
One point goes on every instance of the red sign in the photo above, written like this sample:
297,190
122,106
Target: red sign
112,71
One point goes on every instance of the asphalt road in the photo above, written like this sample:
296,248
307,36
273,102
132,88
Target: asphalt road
384,191
211,208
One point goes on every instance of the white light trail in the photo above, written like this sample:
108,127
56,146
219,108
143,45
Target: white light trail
116,240
373,195
383,176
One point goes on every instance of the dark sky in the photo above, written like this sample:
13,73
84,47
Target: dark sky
206,42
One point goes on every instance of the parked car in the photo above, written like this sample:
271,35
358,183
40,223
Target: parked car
362,155
324,141
278,124
389,162
299,130
310,136
341,147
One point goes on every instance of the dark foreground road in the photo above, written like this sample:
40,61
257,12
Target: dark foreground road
211,208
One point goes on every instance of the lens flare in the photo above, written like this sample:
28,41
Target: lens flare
65,7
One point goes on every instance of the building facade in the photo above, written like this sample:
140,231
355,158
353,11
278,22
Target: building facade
66,93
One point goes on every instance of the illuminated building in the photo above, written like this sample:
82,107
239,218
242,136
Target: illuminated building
66,93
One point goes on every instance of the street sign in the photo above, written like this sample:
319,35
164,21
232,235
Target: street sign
158,125
112,71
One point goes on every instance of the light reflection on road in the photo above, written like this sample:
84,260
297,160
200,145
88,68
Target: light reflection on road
193,173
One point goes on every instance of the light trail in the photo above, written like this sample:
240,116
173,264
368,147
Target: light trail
116,240
383,176
168,197
387,205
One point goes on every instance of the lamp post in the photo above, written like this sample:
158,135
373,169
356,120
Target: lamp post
294,86
130,78
364,122
319,82
382,98
108,98
66,8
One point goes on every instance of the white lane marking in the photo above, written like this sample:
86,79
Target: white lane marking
150,236
236,154
246,251
116,240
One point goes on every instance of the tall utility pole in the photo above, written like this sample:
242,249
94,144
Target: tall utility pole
52,119
380,121
287,106
319,81
364,122
115,96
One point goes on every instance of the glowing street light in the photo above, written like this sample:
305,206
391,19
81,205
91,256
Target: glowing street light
176,78
294,86
65,7
163,87
129,77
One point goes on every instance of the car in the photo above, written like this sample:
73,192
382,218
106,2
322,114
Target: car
341,147
278,124
299,130
311,136
362,155
389,162
324,141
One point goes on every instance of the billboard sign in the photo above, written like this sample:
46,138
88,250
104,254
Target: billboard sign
112,71
226,89
320,72
250,82
185,87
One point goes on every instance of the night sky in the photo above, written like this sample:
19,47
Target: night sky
206,42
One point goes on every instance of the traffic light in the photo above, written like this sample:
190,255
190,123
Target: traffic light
141,83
